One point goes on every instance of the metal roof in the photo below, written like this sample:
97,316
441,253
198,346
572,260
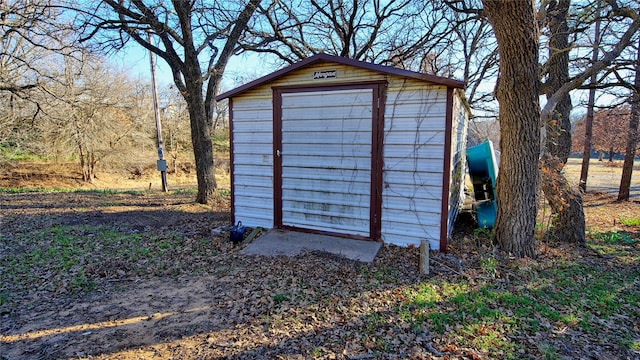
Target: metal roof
345,61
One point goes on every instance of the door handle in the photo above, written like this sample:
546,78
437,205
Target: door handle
278,153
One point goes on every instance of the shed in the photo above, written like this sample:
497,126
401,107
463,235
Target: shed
349,148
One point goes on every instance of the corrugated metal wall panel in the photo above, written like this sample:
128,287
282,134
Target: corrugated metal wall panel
416,164
253,162
260,150
415,203
307,219
330,184
404,234
410,190
324,125
326,172
413,162
258,192
344,165
411,178
326,137
458,159
417,138
261,174
328,178
253,217
253,202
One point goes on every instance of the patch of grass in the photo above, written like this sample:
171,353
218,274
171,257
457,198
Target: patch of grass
26,191
73,259
279,298
489,266
221,141
4,297
185,192
613,238
484,314
613,243
75,191
630,221
12,153
548,352
381,274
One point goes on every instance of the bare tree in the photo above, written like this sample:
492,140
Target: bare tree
396,32
175,117
566,202
88,116
480,131
588,123
609,128
32,38
516,29
632,135
195,38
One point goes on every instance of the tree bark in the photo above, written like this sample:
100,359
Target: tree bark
588,126
558,128
632,137
202,145
568,223
566,203
630,153
516,30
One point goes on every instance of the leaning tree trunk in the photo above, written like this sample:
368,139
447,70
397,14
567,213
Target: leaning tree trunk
566,203
516,30
632,138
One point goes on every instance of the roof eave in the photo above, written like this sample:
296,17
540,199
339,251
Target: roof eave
345,61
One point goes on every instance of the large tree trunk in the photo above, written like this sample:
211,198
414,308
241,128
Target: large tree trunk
193,88
632,138
202,145
516,30
566,203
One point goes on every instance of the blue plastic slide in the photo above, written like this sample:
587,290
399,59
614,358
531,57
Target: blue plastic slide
483,170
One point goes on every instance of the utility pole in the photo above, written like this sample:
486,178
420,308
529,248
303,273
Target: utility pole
161,163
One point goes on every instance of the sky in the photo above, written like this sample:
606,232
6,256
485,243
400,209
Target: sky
135,60
244,68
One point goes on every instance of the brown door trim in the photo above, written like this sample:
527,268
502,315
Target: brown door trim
377,132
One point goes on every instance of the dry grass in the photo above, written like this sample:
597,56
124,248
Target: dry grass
30,175
601,173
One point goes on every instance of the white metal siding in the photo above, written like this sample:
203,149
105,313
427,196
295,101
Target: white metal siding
253,161
413,155
458,160
326,160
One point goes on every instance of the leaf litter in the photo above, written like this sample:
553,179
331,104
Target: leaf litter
149,280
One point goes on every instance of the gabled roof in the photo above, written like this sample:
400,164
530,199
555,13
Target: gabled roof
345,61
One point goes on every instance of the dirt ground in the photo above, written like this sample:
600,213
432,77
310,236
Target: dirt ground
221,306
